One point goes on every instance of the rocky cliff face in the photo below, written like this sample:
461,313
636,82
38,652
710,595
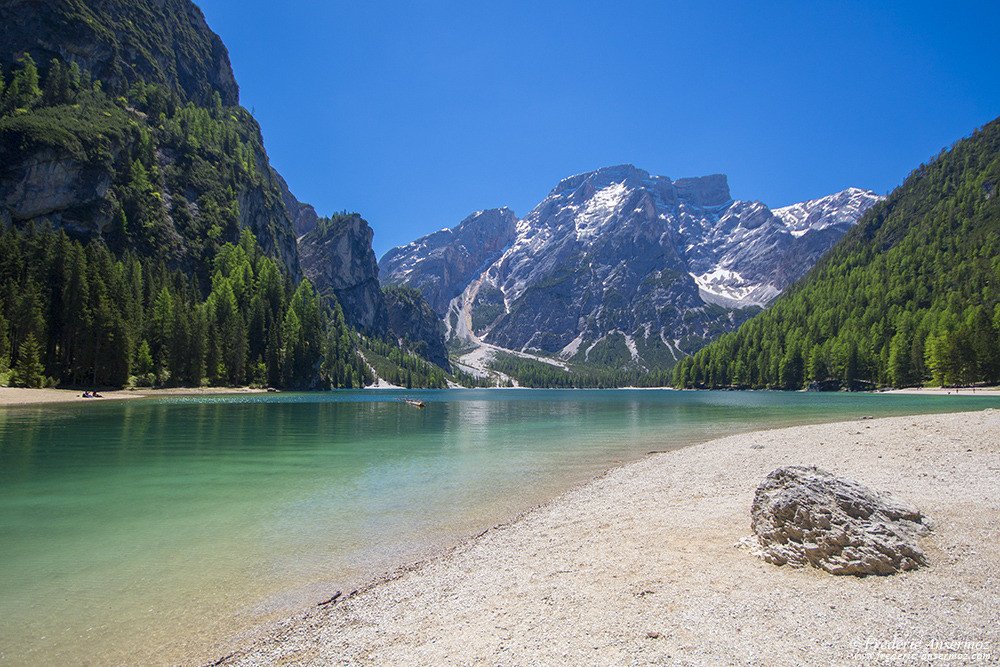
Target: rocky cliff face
120,43
50,184
441,264
621,265
303,216
337,257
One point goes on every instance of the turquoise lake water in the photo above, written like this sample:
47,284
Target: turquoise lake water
158,531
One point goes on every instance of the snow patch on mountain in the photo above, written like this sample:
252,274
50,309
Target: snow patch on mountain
843,208
599,211
618,251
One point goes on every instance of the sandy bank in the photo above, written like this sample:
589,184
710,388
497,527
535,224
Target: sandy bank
641,567
21,396
949,391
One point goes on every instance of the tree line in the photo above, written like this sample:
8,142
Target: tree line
538,375
171,291
911,295
71,313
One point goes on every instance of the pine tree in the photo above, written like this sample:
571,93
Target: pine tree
4,338
161,329
143,364
56,89
29,372
23,90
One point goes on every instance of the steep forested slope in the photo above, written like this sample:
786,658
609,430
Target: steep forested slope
910,295
145,236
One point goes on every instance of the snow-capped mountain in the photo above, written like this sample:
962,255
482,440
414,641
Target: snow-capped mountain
618,265
751,254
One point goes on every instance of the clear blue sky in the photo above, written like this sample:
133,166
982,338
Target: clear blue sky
416,114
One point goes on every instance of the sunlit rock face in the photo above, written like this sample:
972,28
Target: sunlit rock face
656,266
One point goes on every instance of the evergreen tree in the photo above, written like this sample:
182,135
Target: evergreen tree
4,338
23,90
29,372
56,90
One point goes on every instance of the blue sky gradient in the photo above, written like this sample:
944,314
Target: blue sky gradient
417,114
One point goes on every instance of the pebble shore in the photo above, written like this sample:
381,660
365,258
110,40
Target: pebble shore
647,565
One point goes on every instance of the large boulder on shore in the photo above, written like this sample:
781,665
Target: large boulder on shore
806,515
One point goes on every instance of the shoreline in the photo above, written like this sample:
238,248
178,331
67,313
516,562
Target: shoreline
944,391
642,564
17,396
20,396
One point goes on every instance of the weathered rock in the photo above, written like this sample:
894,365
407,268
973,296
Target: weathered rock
806,515
618,266
55,186
156,41
337,257
303,216
442,264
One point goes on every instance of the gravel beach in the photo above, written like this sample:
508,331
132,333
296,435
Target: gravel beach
15,396
644,565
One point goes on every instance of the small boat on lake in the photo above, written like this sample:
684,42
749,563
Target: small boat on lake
414,402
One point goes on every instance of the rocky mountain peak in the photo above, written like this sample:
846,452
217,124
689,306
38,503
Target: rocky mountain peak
601,178
842,208
618,263
704,191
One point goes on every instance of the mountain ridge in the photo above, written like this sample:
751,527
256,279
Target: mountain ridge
910,295
658,265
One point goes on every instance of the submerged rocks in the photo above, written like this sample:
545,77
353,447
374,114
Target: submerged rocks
806,515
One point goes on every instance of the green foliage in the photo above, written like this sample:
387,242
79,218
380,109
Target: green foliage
910,295
87,133
401,367
79,315
29,371
176,170
23,91
342,365
539,374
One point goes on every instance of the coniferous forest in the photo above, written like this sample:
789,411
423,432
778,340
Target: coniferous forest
171,290
909,296
74,314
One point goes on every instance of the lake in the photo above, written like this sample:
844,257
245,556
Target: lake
158,531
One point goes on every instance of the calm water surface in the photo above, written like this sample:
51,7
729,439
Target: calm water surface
155,531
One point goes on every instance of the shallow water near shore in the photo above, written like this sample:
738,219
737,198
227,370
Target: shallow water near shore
155,531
